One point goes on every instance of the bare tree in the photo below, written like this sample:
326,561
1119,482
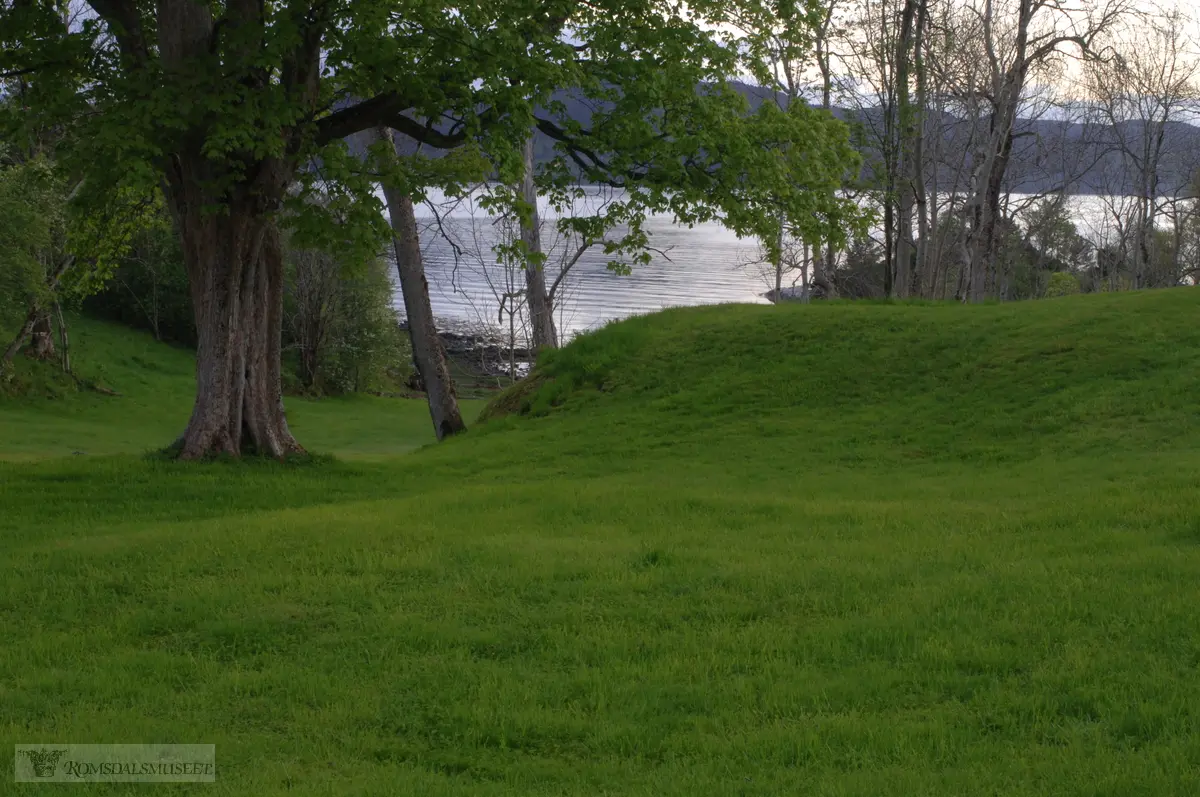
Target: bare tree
1019,39
1144,93
491,268
310,299
868,86
824,40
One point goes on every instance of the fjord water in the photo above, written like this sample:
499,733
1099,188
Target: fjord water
697,266
703,264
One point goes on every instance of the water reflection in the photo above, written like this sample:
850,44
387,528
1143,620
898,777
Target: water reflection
704,264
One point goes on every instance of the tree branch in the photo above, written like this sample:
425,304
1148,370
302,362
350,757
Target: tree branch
125,22
384,109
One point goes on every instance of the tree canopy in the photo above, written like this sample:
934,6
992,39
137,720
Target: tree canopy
137,83
235,109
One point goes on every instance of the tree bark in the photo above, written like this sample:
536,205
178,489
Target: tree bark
777,263
19,339
41,337
889,246
36,313
234,262
919,161
428,352
904,154
777,294
987,210
541,309
824,259
63,338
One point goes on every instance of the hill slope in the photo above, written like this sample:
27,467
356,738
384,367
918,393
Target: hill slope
892,382
846,549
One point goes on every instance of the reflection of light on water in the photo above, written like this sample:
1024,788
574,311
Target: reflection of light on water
705,266
702,269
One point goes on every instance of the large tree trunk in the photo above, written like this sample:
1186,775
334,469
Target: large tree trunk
428,352
541,309
235,271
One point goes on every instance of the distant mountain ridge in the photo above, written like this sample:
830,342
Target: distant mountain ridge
1048,154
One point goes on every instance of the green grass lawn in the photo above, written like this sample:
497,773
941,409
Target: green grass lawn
799,550
157,389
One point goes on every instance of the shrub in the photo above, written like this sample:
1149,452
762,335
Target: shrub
340,333
149,288
340,330
31,233
1062,283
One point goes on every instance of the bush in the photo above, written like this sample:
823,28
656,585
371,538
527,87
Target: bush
149,288
340,331
31,232
1062,283
366,350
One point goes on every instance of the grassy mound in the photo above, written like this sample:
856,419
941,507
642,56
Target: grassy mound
893,381
845,549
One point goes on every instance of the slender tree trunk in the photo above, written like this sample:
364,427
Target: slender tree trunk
823,260
933,251
512,347
889,247
63,338
986,196
988,241
308,364
980,252
1141,244
541,309
921,277
904,154
1176,245
777,262
805,287
904,242
19,340
428,352
1145,276
36,314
